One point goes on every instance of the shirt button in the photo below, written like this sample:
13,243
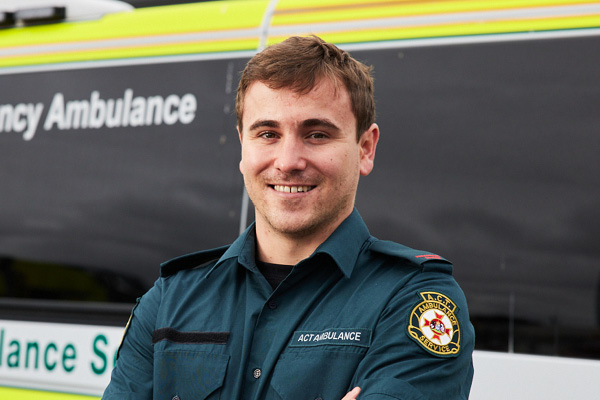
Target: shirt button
175,397
272,304
256,373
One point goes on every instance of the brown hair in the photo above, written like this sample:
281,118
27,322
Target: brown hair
298,63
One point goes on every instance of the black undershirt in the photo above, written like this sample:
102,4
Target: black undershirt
274,273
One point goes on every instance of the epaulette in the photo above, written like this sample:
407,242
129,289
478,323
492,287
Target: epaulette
193,260
428,261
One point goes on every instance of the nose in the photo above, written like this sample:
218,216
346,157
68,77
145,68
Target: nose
290,154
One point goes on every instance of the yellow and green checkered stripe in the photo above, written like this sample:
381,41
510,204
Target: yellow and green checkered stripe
236,26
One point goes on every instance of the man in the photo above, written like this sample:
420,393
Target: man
305,304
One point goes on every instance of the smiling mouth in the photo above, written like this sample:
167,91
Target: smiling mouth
292,189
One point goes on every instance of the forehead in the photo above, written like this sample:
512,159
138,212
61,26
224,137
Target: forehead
324,100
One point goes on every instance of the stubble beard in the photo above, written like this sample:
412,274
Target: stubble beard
295,218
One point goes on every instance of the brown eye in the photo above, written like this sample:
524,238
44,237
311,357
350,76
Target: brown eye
268,135
317,135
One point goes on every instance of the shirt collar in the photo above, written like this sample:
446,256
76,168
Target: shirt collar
343,245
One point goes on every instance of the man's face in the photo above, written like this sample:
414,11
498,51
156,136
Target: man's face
300,158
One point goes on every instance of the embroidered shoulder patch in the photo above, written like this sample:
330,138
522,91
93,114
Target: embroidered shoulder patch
433,324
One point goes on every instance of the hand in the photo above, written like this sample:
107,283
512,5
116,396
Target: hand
351,395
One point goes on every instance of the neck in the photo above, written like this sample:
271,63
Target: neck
288,249
273,247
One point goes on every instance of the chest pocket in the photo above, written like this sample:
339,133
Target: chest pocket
188,374
320,364
184,369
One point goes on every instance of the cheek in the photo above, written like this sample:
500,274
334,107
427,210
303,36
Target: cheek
342,168
252,162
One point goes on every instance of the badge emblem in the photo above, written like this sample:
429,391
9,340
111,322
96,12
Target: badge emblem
433,324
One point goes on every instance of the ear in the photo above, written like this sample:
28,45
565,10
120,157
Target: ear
241,142
237,127
368,145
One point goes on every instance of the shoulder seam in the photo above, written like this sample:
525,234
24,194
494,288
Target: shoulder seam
189,261
429,262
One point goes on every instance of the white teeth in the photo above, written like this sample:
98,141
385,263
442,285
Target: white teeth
292,189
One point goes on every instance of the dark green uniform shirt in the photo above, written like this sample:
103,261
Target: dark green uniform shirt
357,312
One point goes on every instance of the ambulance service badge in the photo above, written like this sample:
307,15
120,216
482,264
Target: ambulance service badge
433,324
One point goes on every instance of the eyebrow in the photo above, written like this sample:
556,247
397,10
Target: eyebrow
309,123
264,123
314,122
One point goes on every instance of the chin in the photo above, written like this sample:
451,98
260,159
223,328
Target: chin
294,229
299,226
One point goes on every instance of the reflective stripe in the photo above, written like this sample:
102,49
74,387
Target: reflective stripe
406,24
159,31
25,394
238,26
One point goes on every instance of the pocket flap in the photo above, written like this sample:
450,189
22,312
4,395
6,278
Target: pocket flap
189,374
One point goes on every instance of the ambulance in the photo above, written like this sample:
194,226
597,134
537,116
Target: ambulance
118,151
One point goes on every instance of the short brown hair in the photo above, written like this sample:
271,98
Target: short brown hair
298,63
